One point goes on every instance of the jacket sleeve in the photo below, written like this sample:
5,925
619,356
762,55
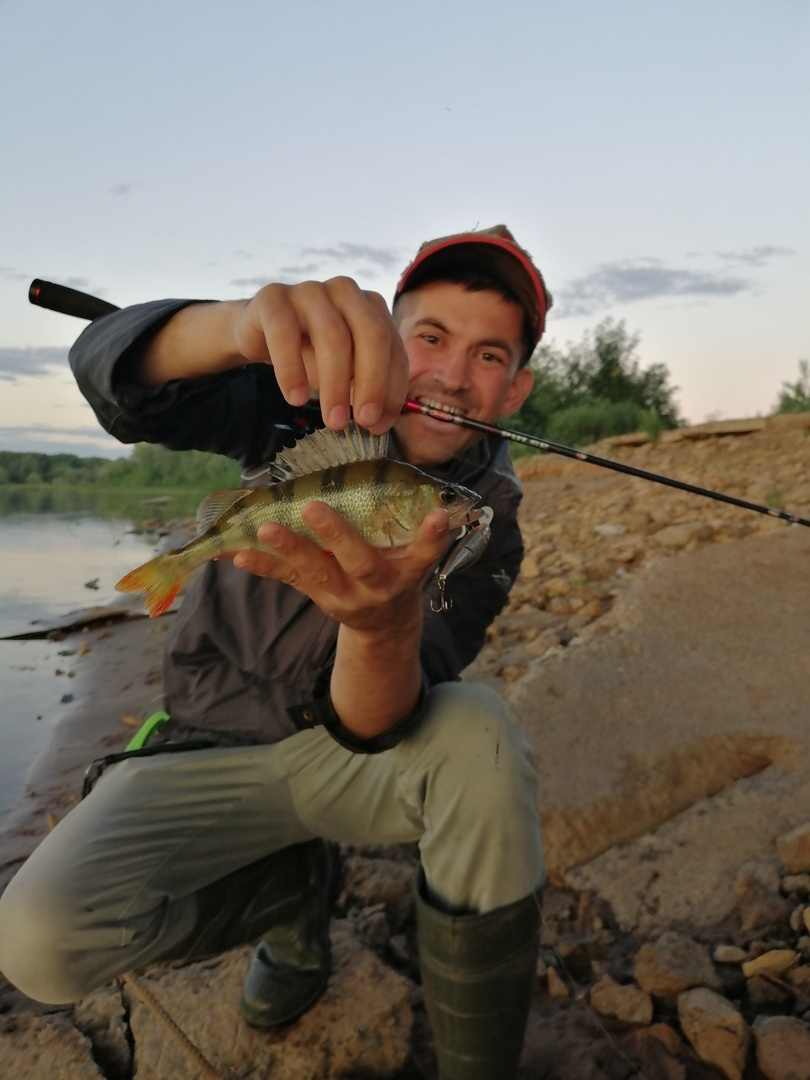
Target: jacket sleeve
452,639
240,413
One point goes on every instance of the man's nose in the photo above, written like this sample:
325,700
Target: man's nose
456,369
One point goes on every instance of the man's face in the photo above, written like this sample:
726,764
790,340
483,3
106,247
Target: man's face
464,349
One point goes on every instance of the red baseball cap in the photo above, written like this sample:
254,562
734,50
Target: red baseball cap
492,249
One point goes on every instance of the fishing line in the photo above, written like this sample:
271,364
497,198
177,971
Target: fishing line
445,415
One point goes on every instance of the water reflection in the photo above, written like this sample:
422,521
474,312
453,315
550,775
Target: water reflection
60,550
136,506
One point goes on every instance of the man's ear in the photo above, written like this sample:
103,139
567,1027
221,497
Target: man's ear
517,393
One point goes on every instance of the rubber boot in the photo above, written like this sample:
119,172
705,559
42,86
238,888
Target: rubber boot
290,967
478,974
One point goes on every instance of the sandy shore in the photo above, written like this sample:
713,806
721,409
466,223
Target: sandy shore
116,666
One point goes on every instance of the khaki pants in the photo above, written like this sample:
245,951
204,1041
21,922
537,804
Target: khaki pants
113,886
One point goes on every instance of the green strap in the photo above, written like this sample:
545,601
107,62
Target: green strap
150,724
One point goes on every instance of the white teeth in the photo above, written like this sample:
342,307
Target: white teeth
431,404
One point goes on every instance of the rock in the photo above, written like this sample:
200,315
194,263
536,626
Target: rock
716,1030
796,883
529,568
45,1047
102,1018
782,1047
557,587
609,529
556,987
806,919
657,1050
794,849
679,536
760,904
766,991
671,964
362,1022
729,954
625,1004
774,962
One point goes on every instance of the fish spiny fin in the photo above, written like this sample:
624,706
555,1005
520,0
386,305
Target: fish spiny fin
325,449
159,582
213,506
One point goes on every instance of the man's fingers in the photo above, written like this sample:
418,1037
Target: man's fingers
332,338
396,371
362,562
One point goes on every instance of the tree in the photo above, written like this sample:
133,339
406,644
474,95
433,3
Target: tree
597,388
795,397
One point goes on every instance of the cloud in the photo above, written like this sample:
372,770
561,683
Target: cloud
384,258
319,263
82,283
642,279
8,273
124,189
15,363
286,275
40,439
756,256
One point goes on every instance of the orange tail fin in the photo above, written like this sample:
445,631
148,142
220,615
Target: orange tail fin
159,581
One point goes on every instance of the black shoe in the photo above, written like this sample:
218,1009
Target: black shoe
290,967
274,993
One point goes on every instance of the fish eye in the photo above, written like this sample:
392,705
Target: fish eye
448,495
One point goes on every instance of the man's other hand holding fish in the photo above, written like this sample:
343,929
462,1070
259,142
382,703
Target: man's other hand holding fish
322,668
374,594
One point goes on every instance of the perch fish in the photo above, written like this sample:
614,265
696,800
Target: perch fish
385,500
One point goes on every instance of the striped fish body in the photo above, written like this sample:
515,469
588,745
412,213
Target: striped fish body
385,501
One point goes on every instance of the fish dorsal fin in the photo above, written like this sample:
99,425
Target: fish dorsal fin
326,449
215,505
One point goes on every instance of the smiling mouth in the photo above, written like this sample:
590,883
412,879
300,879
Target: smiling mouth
451,410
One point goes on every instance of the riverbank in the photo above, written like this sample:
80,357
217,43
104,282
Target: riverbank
656,649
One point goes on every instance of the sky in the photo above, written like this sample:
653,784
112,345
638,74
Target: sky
653,157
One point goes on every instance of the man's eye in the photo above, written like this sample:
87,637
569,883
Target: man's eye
431,339
493,358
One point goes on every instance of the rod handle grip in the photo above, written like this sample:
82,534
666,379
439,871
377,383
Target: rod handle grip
48,294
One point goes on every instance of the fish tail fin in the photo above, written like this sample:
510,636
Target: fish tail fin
158,580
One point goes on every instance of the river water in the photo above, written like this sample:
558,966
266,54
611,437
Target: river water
60,552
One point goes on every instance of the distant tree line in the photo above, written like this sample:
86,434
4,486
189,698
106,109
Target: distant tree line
147,466
595,389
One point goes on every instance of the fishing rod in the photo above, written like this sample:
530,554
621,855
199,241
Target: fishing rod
68,301
445,415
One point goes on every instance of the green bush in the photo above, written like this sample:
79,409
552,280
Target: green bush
795,397
592,420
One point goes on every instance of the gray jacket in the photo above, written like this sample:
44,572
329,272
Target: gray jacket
247,656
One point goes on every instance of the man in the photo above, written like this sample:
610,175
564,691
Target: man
324,681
